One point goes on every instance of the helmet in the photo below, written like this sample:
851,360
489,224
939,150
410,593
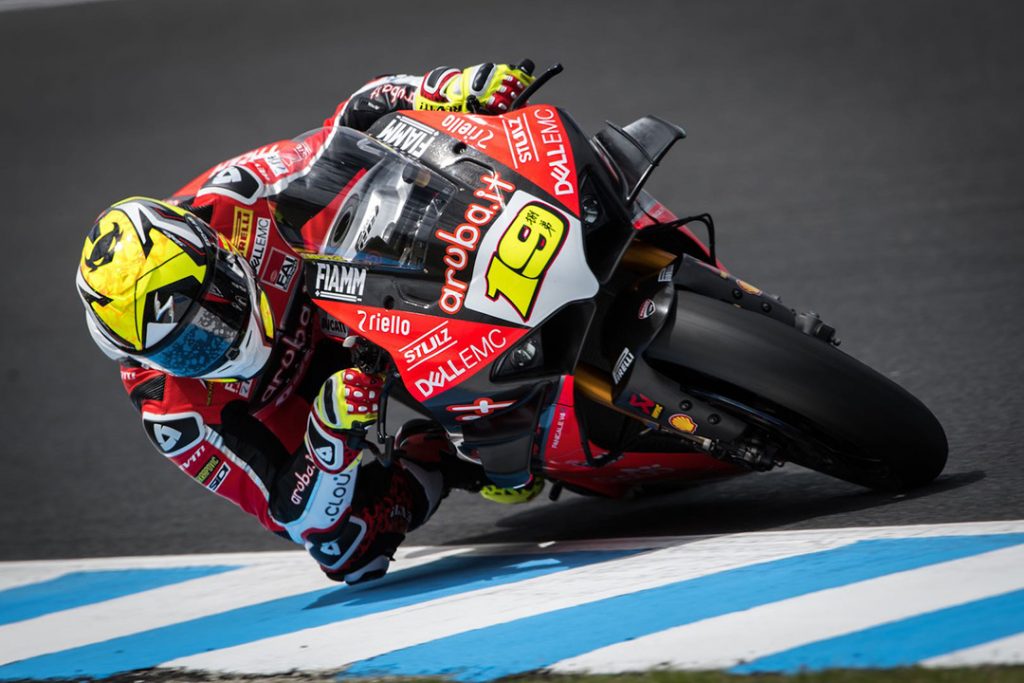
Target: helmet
162,288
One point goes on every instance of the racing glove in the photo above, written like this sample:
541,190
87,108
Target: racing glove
389,502
494,86
348,402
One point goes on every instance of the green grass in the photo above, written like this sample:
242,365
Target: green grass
991,674
909,675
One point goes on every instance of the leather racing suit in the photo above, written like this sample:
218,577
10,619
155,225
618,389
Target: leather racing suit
244,440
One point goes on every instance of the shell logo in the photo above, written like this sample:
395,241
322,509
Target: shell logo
683,423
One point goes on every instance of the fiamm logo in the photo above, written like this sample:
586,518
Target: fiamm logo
339,282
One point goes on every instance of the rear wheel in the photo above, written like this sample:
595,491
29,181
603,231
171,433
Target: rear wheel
826,410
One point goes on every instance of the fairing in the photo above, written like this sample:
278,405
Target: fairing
470,248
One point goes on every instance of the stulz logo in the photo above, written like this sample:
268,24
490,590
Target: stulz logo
626,359
427,345
467,358
388,323
557,159
465,238
520,139
339,282
407,136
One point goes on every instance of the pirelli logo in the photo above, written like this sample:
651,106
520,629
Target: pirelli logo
209,468
241,229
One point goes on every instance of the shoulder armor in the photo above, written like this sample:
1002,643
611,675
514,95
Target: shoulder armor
237,182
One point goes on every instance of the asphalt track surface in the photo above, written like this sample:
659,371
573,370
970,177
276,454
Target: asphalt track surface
863,159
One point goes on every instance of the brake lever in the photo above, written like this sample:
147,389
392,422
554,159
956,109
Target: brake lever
473,105
382,432
531,89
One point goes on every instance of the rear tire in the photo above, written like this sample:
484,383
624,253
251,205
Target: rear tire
829,411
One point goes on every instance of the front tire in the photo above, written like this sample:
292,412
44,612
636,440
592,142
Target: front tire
828,411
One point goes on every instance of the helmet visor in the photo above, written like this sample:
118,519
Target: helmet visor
211,336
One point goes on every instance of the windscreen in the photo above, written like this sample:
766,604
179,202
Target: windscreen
388,205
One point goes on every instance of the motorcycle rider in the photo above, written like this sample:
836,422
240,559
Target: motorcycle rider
240,380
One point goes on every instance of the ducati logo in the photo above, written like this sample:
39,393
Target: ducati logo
647,309
103,248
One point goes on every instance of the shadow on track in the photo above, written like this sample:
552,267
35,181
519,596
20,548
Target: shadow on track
801,499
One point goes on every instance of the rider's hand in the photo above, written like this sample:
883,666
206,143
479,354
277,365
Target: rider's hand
348,400
495,86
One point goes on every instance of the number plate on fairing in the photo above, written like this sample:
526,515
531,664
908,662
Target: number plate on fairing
531,263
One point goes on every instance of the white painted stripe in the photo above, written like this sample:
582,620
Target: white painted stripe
88,564
152,609
731,639
15,577
279,576
336,645
27,572
847,535
1004,651
271,575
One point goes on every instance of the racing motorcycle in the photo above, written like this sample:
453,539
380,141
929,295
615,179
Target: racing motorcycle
527,296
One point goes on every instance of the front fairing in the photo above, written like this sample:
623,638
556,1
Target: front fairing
464,257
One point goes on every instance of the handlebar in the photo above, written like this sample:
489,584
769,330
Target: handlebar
536,85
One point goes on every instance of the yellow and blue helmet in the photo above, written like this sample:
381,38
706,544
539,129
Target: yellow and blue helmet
163,289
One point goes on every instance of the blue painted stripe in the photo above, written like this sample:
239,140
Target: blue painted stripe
85,588
445,577
539,641
905,642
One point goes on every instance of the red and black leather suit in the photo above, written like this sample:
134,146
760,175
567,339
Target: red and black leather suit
244,440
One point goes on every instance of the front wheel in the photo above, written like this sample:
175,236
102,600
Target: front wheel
828,411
